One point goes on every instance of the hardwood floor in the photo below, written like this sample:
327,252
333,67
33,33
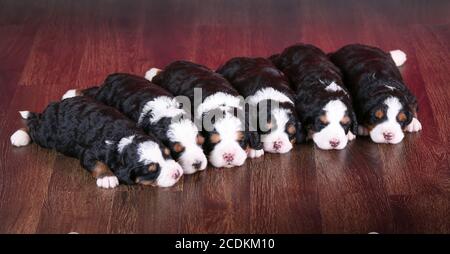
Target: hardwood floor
47,47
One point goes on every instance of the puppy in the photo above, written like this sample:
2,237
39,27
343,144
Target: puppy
323,104
384,105
156,111
266,88
107,144
229,140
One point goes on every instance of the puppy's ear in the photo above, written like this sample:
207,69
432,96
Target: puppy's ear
354,125
254,140
252,136
300,135
125,174
263,119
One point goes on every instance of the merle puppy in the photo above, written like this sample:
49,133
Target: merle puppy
107,144
384,105
156,111
230,139
322,101
267,89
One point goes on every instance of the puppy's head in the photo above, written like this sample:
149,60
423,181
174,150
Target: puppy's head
331,124
165,117
387,118
186,145
226,140
280,126
144,161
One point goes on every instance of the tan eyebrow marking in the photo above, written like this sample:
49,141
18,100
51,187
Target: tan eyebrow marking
215,138
401,117
379,114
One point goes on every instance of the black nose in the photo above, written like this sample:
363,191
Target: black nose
197,164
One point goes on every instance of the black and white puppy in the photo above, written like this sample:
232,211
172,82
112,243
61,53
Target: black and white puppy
266,88
323,104
229,140
107,143
384,105
156,111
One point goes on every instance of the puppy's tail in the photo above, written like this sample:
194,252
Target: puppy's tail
150,74
398,56
90,92
22,137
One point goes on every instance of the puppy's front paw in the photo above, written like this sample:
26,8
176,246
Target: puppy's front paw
414,126
252,153
351,136
107,182
363,131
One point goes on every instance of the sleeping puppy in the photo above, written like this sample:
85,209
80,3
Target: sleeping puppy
156,111
322,102
108,144
267,89
384,105
228,138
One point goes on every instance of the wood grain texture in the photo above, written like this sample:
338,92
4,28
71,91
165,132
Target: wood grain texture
50,46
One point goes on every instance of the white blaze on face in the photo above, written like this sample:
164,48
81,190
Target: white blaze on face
171,171
160,107
333,135
390,130
192,158
277,141
228,128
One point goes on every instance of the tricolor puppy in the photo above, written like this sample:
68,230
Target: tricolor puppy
107,143
322,102
156,111
267,89
384,105
228,140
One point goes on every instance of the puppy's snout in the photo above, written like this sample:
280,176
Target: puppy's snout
277,144
388,135
176,174
228,157
334,142
197,164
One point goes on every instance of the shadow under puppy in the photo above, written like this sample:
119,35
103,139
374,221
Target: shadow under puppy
228,137
384,105
154,110
267,89
323,104
108,144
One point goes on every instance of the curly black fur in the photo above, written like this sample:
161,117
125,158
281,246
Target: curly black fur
250,75
181,77
129,94
310,71
366,71
90,131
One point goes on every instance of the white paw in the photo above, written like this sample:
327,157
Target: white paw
351,136
398,56
69,94
150,74
363,131
414,126
252,153
107,182
20,138
24,114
